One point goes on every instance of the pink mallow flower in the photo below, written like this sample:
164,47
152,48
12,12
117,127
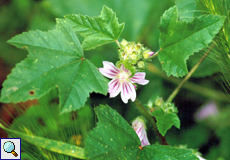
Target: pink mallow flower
122,81
139,127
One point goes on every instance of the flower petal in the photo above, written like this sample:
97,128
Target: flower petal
114,87
122,68
139,78
127,92
150,53
140,132
139,127
145,140
109,70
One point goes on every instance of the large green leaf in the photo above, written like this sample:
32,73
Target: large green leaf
55,59
180,39
97,30
114,138
165,120
49,144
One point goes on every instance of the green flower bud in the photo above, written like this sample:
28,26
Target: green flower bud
124,42
159,102
141,64
133,56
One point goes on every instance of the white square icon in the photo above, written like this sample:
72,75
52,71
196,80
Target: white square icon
10,148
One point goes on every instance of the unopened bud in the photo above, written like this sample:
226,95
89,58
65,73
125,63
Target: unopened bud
124,42
139,127
159,101
147,54
141,64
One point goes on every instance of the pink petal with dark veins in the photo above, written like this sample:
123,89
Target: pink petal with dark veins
139,78
114,87
127,92
109,70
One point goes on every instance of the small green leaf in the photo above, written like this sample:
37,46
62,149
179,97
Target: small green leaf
114,138
179,39
55,59
165,120
97,30
52,145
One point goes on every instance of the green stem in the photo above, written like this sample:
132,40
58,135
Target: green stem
118,43
201,90
174,93
152,121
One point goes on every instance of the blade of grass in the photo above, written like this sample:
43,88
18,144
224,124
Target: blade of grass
52,145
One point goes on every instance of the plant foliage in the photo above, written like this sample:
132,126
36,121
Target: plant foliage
55,59
114,138
97,30
180,39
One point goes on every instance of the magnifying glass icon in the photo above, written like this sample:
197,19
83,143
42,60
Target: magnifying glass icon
9,147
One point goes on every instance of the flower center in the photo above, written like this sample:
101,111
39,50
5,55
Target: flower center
123,76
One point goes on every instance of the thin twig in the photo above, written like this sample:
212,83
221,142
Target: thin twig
201,90
174,93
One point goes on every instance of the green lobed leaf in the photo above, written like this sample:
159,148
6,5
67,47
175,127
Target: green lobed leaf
55,59
165,120
179,39
96,30
114,138
49,144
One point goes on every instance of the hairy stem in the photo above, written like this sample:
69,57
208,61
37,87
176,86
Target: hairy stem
152,121
174,93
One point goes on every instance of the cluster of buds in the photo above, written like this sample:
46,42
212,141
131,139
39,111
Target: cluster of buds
165,106
134,54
